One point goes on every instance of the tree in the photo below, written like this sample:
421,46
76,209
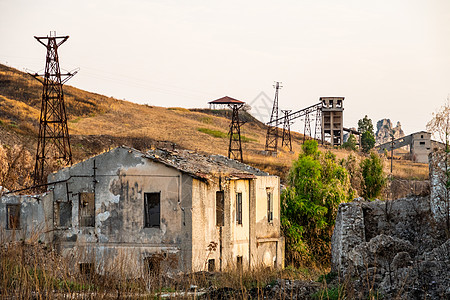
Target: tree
367,141
317,184
351,143
365,127
365,124
374,179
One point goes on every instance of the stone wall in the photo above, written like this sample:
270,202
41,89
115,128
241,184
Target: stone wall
392,248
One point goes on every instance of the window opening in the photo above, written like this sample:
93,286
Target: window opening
239,264
220,204
269,206
239,208
64,214
87,209
211,265
152,210
13,216
87,269
153,265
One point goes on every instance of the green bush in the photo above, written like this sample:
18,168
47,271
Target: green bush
316,186
374,179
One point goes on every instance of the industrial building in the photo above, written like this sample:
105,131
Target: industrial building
161,211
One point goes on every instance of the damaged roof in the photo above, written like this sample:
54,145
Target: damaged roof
203,166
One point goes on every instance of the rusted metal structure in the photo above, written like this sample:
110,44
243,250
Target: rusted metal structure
235,145
272,126
306,113
286,137
53,142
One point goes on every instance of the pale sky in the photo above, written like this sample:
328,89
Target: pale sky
388,58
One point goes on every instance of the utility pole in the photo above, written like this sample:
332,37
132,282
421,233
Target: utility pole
272,128
392,150
286,137
53,147
235,146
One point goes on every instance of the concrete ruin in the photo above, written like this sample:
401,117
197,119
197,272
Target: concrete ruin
419,144
396,249
160,212
333,120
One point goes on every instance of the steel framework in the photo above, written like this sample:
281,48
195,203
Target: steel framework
286,137
235,146
272,126
306,113
53,148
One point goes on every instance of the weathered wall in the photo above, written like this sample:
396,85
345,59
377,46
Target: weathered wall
392,247
36,218
269,244
256,240
119,180
440,196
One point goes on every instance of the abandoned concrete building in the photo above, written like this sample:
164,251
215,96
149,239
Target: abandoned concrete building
419,145
333,120
161,211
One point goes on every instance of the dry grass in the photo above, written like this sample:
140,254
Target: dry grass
112,122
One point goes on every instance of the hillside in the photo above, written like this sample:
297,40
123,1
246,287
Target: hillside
97,123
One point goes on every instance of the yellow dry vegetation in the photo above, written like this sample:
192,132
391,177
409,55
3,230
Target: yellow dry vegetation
98,116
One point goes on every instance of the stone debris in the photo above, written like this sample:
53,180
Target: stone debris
395,249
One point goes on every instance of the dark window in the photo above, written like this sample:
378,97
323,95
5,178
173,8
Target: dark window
239,208
422,143
219,208
153,265
421,136
239,264
13,216
63,212
87,209
87,269
152,209
269,206
211,265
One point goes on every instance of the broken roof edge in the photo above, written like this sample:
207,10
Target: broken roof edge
199,166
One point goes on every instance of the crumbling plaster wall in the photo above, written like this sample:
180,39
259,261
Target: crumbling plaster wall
269,242
36,218
232,239
119,180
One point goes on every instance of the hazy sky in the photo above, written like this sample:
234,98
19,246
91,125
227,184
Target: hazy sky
388,58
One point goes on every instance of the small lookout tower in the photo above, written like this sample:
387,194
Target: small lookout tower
235,146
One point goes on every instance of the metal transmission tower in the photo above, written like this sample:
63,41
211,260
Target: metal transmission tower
272,125
53,142
235,146
307,129
286,137
318,131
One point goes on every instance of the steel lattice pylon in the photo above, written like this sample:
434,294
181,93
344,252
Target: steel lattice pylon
286,137
53,148
318,130
235,146
272,125
307,129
